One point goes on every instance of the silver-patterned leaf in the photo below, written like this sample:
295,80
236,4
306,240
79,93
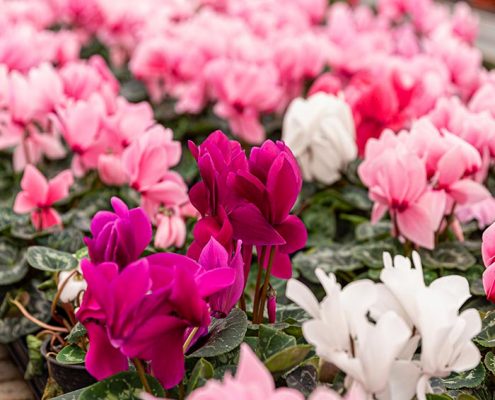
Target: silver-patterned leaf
46,259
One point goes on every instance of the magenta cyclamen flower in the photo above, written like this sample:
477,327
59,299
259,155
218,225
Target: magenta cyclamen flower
268,192
145,311
38,195
119,236
215,256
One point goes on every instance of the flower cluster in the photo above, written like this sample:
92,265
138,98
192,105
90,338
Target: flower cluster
78,104
248,200
141,308
353,325
488,252
419,177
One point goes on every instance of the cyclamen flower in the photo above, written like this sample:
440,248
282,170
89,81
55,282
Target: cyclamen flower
119,236
144,312
253,381
445,333
488,252
270,189
38,195
320,132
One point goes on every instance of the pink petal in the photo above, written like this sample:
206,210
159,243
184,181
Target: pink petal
103,360
34,183
23,203
378,212
415,224
251,227
294,233
58,187
489,282
468,191
251,371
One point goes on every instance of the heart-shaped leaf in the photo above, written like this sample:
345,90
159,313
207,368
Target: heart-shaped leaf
46,259
202,371
490,362
224,335
448,256
76,333
271,341
287,358
468,379
13,266
71,354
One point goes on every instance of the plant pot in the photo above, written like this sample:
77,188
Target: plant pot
69,377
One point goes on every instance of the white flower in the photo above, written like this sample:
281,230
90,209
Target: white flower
320,132
446,335
343,335
73,284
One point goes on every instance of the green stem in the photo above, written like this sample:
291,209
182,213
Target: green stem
261,307
189,339
142,375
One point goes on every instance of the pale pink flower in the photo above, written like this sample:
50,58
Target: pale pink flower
38,195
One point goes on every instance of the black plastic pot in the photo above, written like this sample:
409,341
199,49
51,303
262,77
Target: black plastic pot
69,377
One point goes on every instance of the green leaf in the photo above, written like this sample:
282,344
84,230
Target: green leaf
76,333
357,197
490,362
486,337
46,259
465,396
330,259
438,397
8,218
368,231
304,379
202,371
448,256
13,266
371,254
224,335
288,358
468,379
321,224
75,395
123,386
35,364
291,313
69,240
14,327
71,354
271,341
81,253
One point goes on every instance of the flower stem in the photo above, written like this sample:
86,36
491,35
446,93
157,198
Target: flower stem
189,339
261,261
261,306
142,374
35,320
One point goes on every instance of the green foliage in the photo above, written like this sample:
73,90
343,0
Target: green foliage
224,335
76,333
13,266
122,386
35,364
46,259
451,255
71,354
201,372
467,379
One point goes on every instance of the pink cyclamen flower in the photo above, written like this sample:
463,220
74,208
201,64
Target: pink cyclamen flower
215,256
38,195
253,381
397,182
144,312
488,252
268,192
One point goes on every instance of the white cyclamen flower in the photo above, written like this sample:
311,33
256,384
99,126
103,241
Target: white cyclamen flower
320,132
446,335
73,284
343,335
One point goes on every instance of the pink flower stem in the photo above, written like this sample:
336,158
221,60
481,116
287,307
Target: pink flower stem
261,306
142,374
261,261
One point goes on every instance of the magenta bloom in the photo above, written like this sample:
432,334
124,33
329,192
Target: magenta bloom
217,156
118,237
214,256
269,191
144,312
